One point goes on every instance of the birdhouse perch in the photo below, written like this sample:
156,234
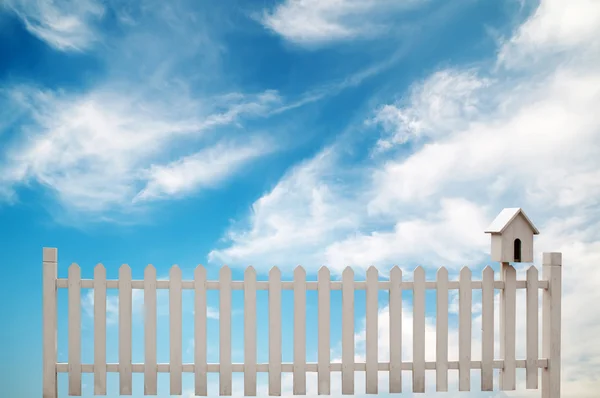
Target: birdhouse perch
512,236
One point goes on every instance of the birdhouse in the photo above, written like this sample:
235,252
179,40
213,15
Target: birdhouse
512,236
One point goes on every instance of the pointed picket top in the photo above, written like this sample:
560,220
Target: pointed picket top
249,272
175,272
532,272
99,271
442,272
274,273
324,272
124,271
74,270
348,273
465,272
299,272
225,272
396,272
372,271
488,271
419,272
150,271
200,272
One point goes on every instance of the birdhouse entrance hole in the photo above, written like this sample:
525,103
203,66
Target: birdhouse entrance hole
517,253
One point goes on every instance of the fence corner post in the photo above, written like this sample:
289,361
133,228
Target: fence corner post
49,321
551,327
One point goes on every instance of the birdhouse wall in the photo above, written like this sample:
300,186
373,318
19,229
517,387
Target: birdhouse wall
503,245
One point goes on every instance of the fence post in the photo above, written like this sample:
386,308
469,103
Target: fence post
49,354
551,327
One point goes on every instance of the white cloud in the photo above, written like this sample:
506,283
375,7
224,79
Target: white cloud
97,151
66,25
322,21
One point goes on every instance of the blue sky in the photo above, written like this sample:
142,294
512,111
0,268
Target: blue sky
304,132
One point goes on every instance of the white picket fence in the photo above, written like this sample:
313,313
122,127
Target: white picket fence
549,361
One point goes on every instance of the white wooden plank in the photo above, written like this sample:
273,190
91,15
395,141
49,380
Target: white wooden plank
299,387
371,331
348,331
275,331
200,336
507,327
125,330
464,330
150,373
99,330
250,332
49,319
175,332
395,311
225,331
324,310
419,330
532,328
487,332
74,330
551,328
441,353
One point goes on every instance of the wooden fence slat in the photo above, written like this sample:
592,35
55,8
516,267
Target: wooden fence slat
299,387
324,376
551,328
175,332
348,331
200,335
150,370
441,325
49,320
487,332
99,330
507,327
250,332
275,331
419,330
465,300
225,371
125,330
372,330
532,328
74,330
395,313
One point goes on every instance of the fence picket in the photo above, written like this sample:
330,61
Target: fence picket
487,332
99,330
125,367
419,330
348,331
324,359
250,332
507,327
464,329
175,332
225,371
150,369
200,336
275,331
372,331
532,328
395,312
441,326
299,387
74,330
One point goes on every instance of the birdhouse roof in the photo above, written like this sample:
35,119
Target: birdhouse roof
505,217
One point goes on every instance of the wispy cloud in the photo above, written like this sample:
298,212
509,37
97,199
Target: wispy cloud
323,21
67,25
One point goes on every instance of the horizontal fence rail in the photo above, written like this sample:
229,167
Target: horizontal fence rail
549,361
